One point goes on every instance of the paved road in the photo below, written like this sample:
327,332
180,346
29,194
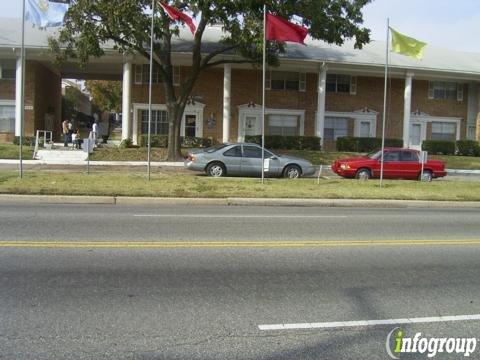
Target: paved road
211,223
208,302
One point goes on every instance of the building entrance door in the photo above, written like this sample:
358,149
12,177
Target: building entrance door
416,136
190,125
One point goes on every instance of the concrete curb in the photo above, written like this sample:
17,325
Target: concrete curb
56,199
121,200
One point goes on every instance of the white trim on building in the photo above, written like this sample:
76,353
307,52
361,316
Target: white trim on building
255,110
196,110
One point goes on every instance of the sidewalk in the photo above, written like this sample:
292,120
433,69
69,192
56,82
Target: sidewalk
231,201
92,163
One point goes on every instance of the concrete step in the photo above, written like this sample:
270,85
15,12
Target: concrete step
61,155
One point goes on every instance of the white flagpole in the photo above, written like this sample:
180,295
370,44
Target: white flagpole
384,103
150,94
22,96
263,88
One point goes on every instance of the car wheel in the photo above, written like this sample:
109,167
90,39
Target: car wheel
292,172
363,174
427,176
216,169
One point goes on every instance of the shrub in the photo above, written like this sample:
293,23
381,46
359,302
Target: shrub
310,143
468,148
286,142
26,140
439,147
126,143
346,144
195,142
157,141
365,144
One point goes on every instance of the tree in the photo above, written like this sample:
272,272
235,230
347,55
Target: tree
70,100
126,23
106,95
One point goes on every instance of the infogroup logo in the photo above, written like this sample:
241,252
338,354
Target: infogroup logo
397,344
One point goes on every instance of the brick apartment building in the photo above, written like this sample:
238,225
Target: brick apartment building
318,89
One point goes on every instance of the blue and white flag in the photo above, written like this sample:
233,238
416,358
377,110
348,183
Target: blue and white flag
46,13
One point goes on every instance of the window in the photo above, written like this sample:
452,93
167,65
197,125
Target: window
443,131
283,80
7,69
7,118
409,156
471,132
233,152
335,127
255,152
338,83
285,125
142,74
392,156
252,152
176,75
443,90
159,122
365,129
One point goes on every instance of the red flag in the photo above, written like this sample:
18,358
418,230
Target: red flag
282,30
177,15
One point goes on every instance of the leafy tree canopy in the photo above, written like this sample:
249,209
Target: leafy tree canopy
106,95
90,24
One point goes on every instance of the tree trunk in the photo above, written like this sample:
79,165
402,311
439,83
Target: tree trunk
175,114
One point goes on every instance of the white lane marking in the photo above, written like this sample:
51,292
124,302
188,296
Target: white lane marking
243,216
343,324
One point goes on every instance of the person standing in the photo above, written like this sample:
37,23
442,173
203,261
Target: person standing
70,131
65,132
95,132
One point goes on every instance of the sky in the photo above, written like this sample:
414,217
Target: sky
447,24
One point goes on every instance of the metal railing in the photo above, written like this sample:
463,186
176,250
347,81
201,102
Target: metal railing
47,139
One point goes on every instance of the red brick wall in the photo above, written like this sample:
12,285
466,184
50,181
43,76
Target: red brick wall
42,91
247,86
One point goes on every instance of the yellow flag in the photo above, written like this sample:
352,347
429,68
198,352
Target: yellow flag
406,45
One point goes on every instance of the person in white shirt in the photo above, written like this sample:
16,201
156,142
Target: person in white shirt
95,132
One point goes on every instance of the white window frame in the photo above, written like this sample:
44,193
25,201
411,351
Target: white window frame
334,117
302,80
424,119
138,75
9,103
196,110
358,116
431,90
256,110
442,124
1,69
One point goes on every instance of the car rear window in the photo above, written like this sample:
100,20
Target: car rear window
214,148
409,156
236,151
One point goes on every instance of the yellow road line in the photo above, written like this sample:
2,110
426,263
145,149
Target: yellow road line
232,244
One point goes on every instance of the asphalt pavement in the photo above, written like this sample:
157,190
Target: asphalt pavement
202,282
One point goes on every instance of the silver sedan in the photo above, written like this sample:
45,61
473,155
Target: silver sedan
244,159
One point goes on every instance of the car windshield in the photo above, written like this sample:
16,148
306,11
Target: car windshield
374,155
214,148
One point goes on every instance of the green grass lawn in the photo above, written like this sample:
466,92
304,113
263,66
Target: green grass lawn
10,151
187,185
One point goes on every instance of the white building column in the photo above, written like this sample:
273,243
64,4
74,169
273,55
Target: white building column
227,90
18,96
126,99
322,89
407,109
